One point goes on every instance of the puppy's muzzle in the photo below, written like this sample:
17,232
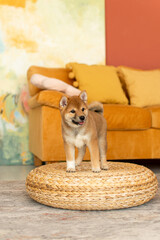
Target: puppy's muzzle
81,118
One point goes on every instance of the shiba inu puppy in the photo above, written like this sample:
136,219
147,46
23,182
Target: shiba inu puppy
83,126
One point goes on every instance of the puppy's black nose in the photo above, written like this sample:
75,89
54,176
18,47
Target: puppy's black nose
82,118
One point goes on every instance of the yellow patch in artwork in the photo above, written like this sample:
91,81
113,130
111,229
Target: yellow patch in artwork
19,41
15,3
3,107
2,103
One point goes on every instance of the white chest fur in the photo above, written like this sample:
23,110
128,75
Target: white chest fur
78,140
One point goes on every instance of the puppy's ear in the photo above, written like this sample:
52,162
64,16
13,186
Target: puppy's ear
83,96
63,102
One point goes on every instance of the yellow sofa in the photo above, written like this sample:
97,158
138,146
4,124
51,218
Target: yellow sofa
133,132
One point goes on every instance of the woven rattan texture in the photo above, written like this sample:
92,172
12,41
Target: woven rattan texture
123,185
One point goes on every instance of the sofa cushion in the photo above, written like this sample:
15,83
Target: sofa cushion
155,114
121,117
142,86
43,82
101,82
60,73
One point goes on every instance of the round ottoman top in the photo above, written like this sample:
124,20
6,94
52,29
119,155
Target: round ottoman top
123,185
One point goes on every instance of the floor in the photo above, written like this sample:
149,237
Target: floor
22,218
14,172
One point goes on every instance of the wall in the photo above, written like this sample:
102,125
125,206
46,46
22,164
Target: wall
45,33
132,33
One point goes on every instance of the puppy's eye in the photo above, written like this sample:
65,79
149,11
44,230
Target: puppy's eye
83,109
72,111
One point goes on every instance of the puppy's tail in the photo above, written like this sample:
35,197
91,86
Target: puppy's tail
96,107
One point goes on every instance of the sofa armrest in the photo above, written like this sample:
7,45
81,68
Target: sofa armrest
59,73
49,98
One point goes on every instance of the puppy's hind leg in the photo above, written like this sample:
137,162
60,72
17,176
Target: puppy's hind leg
81,153
94,152
103,149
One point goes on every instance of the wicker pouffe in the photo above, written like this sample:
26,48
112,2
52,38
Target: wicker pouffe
123,185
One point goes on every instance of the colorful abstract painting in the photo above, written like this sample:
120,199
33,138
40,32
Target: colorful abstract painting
47,33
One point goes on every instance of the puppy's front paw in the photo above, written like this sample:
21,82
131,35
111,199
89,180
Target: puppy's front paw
70,170
71,166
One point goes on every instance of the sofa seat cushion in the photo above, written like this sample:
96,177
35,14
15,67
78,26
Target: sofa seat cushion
121,117
155,114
